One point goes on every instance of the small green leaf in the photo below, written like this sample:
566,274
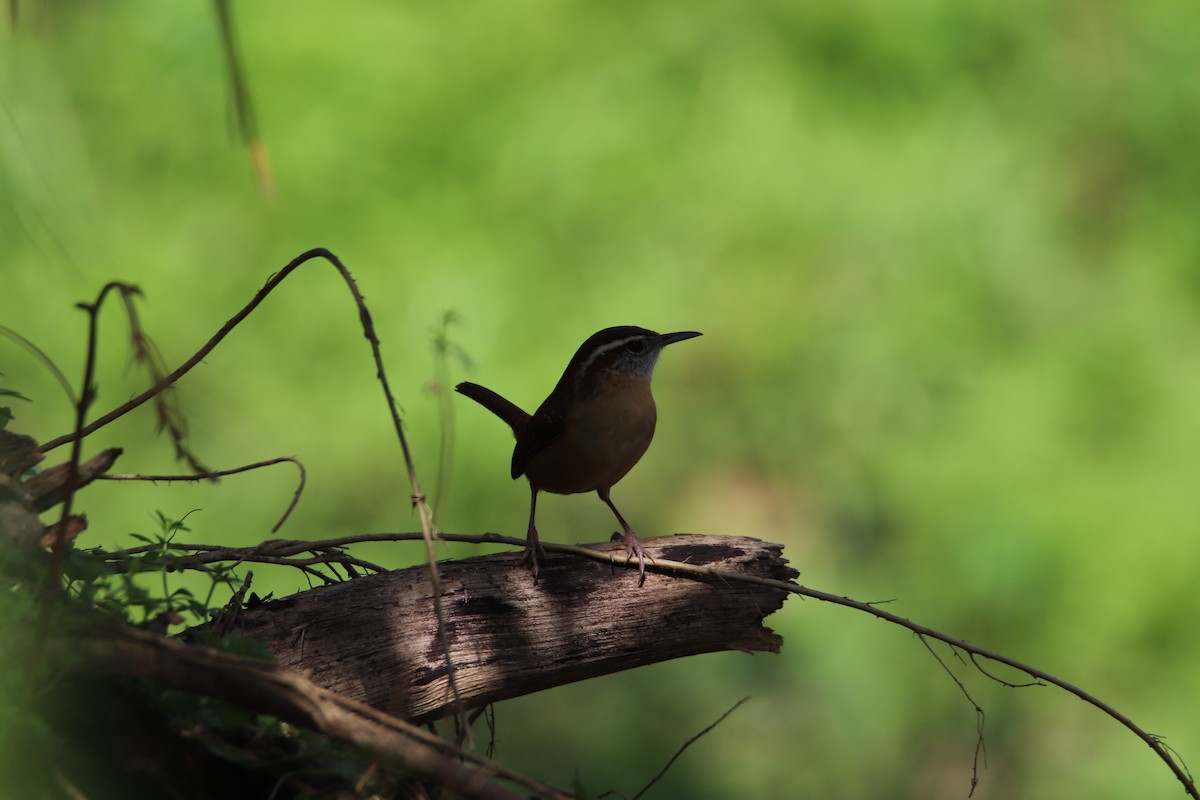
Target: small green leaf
85,565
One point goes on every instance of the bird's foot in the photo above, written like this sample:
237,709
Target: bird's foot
634,548
534,556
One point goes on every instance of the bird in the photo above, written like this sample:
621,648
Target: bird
590,430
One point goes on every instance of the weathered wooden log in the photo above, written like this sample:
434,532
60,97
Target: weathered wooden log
375,638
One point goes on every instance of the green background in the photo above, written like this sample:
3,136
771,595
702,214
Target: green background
946,258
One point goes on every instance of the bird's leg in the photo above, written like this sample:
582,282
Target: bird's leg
534,554
632,546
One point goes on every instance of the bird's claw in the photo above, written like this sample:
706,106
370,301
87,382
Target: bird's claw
534,556
634,548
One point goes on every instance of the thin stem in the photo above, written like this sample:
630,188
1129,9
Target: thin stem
199,476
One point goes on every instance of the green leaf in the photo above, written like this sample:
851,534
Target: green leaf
86,565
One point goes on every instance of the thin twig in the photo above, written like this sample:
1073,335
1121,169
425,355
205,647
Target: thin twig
424,515
87,396
242,104
51,587
998,679
1150,740
166,408
199,476
175,564
45,360
686,745
980,716
211,554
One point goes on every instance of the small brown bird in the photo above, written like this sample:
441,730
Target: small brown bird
591,430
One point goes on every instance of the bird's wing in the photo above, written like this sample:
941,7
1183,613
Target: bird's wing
543,429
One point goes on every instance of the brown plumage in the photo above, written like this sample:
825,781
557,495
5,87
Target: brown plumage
593,427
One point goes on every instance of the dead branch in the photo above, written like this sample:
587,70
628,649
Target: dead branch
49,488
707,730
375,638
268,688
170,379
283,552
975,652
213,475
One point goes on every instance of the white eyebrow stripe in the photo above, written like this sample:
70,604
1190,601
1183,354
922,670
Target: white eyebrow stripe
604,348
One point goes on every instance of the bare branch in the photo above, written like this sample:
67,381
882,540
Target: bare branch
187,366
242,104
980,717
45,360
1151,741
261,554
199,476
685,746
267,688
87,394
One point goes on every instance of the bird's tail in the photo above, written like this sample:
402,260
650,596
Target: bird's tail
513,416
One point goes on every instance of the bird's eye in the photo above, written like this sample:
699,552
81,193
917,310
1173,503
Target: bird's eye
635,346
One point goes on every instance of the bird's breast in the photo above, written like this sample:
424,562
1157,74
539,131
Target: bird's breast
605,433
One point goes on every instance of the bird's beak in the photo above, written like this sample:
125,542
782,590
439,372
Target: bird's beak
671,338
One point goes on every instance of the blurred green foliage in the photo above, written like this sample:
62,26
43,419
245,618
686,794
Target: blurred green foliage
945,256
